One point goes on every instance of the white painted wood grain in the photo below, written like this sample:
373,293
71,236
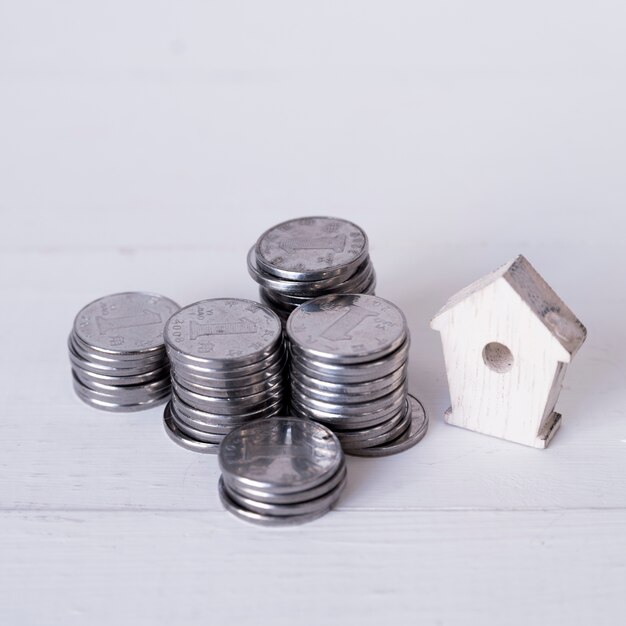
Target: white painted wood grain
65,467
58,453
146,145
132,568
507,341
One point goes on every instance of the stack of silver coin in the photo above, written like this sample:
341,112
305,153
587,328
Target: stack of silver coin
349,356
281,471
117,353
228,368
308,257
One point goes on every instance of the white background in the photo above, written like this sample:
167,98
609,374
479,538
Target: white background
146,145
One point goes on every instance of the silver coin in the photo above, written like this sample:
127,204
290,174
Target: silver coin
276,299
280,455
371,290
343,397
229,406
223,333
226,369
365,284
285,289
203,394
194,433
260,495
99,385
382,384
222,425
183,440
311,248
356,284
271,364
268,385
308,286
263,520
308,507
121,408
295,287
343,422
121,397
365,435
339,373
383,438
293,301
156,386
124,323
379,438
122,381
276,369
411,436
347,329
128,359
126,392
302,290
209,428
110,370
281,309
371,407
199,435
201,414
117,407
199,418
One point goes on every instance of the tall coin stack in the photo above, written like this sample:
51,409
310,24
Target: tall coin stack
281,471
117,353
349,371
308,257
228,360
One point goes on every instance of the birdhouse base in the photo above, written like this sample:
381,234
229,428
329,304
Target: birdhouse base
541,441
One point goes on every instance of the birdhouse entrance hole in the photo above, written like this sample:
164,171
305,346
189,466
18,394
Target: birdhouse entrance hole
497,357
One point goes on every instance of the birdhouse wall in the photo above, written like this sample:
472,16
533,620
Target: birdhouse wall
505,390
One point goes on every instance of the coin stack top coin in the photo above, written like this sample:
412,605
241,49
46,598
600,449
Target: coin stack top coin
116,350
228,366
349,362
281,471
307,257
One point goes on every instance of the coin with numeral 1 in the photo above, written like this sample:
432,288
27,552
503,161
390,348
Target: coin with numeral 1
117,354
130,322
223,333
311,248
228,366
347,328
281,471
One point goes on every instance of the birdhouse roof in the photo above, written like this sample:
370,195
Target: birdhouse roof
540,298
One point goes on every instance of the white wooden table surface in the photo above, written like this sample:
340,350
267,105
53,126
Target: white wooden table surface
146,145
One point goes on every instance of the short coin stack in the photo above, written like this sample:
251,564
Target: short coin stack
281,471
349,371
308,257
117,353
228,366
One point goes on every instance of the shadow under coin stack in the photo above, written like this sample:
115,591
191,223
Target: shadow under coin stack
117,353
308,257
228,365
348,371
281,471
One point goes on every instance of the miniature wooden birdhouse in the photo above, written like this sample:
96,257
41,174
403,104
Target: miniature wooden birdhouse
507,340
